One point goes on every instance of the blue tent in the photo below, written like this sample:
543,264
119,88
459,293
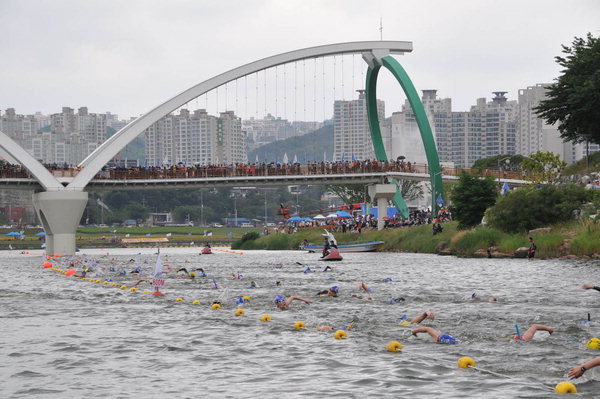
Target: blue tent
13,233
391,211
307,219
295,219
343,214
40,234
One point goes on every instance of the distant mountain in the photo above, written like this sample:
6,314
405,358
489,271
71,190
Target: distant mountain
307,147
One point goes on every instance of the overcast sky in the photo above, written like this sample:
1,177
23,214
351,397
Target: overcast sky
129,56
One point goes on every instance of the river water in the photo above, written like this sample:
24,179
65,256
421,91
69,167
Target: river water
67,338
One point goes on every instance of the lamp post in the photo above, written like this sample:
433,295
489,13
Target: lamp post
507,161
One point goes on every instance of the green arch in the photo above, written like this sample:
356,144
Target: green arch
433,161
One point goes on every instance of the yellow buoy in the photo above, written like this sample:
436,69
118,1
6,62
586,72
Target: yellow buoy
239,312
299,325
106,283
92,280
340,334
84,279
465,362
216,306
113,284
179,300
593,343
196,302
265,318
133,289
123,287
394,346
246,298
565,387
145,292
98,281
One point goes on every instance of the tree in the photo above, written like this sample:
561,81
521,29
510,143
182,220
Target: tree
574,99
543,167
349,193
410,189
529,208
471,197
492,162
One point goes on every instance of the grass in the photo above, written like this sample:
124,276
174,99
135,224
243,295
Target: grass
587,241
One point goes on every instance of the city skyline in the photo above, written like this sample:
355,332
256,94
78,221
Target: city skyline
126,59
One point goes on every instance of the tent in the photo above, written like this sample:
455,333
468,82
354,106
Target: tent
40,234
13,234
332,215
318,217
343,214
307,219
295,219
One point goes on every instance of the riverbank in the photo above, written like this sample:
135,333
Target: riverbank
573,240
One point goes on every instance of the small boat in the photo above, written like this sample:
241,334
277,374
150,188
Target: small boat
206,251
370,246
332,255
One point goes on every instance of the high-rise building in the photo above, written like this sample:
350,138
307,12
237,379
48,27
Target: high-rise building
196,138
351,133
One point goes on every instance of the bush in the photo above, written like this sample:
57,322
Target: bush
470,198
246,238
529,208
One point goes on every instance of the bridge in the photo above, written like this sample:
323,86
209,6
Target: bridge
60,202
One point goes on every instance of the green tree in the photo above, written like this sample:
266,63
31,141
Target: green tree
135,211
471,197
543,167
349,193
492,162
529,208
410,189
574,99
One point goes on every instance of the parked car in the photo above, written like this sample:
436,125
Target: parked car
216,225
246,225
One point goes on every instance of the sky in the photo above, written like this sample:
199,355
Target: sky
127,57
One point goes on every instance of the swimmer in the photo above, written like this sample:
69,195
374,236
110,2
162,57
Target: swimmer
474,297
139,281
530,333
435,334
396,300
81,275
328,269
331,291
425,315
201,270
590,287
283,303
578,371
330,328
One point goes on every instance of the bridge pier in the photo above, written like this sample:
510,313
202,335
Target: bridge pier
382,193
60,213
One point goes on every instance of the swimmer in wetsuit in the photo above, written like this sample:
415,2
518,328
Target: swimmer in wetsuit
283,303
332,291
530,333
578,371
591,287
435,334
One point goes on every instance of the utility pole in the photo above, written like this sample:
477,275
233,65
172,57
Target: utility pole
266,207
201,209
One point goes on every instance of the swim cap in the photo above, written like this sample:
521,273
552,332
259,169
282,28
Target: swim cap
192,274
447,339
473,295
335,289
593,343
279,298
239,300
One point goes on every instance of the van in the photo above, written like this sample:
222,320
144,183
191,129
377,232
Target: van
246,225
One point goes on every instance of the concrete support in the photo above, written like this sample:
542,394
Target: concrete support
60,213
381,194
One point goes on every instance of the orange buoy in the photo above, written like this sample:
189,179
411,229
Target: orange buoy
47,265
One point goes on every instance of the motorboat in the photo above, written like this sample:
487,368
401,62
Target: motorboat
370,246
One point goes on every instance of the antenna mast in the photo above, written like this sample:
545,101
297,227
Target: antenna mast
380,28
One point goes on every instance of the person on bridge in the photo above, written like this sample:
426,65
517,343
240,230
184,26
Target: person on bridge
282,303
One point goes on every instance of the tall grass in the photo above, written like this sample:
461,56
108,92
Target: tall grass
587,240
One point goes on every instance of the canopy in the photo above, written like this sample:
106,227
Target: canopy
343,214
307,219
319,217
295,219
40,234
332,215
13,233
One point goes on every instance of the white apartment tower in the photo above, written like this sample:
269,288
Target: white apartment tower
351,133
196,138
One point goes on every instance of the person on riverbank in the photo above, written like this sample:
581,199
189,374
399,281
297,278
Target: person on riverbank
530,333
532,249
590,287
282,303
578,371
436,335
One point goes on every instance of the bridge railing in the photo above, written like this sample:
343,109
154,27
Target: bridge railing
247,170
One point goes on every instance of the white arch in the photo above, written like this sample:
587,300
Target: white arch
39,172
101,155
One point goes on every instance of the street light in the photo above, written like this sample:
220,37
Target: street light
507,161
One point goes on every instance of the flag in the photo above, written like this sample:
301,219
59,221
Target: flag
146,166
353,159
285,158
505,189
324,156
440,200
157,277
295,161
343,155
256,160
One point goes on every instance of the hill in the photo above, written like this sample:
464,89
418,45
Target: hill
307,147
